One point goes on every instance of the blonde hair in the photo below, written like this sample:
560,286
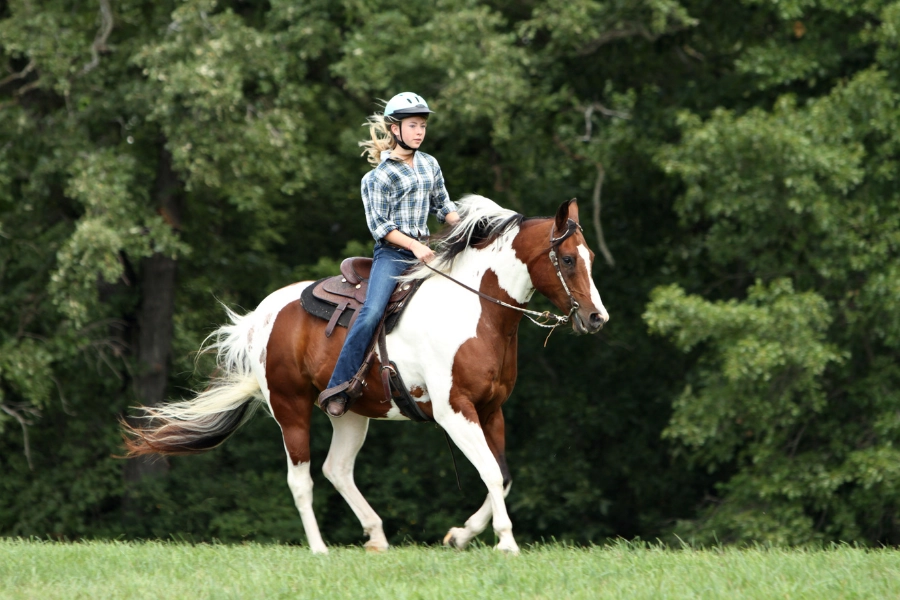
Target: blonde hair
380,138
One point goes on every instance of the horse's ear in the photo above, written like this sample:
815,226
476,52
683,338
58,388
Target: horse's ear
567,210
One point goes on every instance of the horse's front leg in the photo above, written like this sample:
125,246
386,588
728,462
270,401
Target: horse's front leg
462,424
495,436
349,435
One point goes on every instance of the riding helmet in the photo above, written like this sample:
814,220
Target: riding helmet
406,104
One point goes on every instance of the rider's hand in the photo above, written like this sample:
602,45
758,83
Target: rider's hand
422,252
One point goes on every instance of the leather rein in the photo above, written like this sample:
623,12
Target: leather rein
541,319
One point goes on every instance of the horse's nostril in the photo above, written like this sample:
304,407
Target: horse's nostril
596,319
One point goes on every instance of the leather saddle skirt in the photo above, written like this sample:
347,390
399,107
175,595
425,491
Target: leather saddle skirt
338,299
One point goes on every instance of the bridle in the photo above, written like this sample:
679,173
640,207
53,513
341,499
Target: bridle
544,319
571,228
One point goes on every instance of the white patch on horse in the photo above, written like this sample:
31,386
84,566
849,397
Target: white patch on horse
595,295
443,316
348,437
394,414
511,272
301,484
469,438
440,318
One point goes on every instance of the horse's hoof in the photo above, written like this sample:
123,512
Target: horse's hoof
453,539
371,546
320,551
507,548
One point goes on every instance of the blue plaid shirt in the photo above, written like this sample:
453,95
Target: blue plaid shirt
397,196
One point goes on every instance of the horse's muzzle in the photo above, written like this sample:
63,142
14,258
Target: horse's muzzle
593,324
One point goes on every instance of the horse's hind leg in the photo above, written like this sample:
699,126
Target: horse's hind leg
494,434
301,484
293,415
349,435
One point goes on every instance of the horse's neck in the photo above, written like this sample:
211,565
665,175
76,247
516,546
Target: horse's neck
500,257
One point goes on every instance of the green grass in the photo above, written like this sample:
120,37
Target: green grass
99,570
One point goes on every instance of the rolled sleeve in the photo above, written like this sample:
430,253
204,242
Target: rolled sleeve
375,195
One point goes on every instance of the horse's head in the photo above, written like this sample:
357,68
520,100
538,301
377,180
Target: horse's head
562,273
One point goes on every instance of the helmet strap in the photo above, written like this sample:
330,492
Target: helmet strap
399,138
403,144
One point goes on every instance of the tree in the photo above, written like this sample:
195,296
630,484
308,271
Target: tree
792,398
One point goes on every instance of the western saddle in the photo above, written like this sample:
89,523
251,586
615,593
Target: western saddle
338,300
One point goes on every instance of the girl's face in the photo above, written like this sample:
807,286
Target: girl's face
413,130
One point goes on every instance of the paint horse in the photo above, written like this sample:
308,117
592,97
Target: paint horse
455,349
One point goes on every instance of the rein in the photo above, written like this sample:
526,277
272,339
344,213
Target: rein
541,319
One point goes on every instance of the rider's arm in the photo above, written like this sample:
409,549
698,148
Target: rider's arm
398,238
376,200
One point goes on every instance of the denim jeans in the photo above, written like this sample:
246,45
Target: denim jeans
389,262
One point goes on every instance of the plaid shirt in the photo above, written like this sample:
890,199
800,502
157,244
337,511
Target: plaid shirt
397,196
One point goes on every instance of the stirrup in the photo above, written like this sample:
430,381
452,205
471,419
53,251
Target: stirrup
333,396
326,395
350,390
336,406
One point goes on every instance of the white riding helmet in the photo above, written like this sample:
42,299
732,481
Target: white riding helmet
406,104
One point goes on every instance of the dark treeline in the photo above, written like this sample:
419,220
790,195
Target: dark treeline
736,166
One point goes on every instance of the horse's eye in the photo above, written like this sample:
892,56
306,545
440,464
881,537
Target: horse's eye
568,261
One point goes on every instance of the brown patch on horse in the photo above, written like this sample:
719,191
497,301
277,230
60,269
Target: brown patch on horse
291,393
485,367
534,254
319,356
494,428
372,403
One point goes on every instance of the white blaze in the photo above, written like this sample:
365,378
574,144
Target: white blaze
595,295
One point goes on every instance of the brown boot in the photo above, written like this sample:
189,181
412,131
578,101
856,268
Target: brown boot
335,401
337,405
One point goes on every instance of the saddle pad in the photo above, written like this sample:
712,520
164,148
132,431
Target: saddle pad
324,310
320,308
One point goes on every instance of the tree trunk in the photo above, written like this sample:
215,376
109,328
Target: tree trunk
153,340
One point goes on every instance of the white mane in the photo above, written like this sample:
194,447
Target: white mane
476,213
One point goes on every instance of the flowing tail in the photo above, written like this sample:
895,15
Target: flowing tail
202,423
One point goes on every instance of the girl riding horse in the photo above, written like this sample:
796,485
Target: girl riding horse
403,187
461,367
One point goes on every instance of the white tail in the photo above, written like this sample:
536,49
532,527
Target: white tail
208,419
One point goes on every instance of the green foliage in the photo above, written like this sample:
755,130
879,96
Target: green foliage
760,371
755,389
25,368
232,121
791,393
114,222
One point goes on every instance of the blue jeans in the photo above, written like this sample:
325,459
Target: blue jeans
389,262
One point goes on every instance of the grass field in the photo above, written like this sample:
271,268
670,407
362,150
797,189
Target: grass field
99,570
